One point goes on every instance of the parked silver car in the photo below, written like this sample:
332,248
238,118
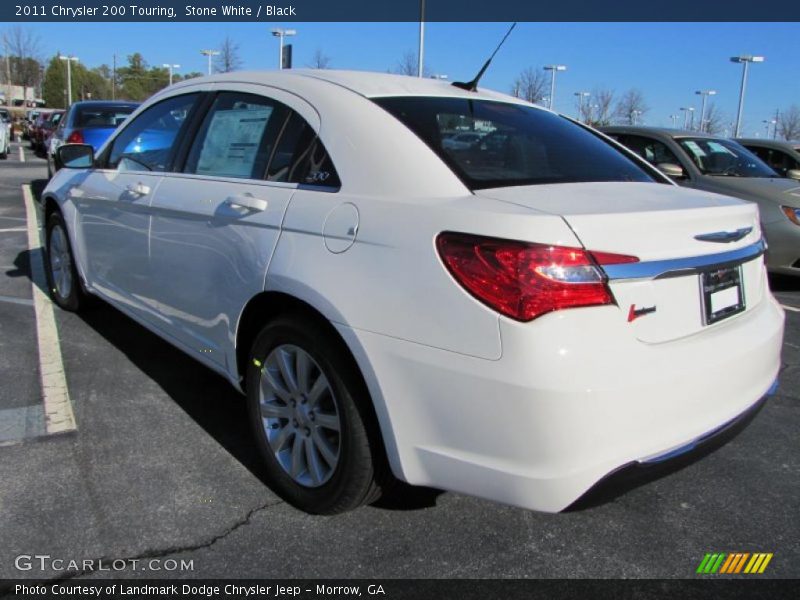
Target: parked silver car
706,162
783,157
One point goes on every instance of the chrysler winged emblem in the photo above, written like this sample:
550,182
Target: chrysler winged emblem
724,237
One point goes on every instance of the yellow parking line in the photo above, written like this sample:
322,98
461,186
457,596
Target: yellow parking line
59,416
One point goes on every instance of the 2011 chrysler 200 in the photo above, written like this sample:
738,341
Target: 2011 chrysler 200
513,319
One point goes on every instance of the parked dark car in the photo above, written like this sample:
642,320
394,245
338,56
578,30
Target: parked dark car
89,122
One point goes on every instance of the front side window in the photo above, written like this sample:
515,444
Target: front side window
494,144
653,151
237,137
724,158
148,142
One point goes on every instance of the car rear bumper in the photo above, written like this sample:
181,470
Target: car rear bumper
571,400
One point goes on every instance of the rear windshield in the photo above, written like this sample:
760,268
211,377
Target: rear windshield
101,116
494,144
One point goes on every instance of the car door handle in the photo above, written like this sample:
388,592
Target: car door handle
138,189
246,201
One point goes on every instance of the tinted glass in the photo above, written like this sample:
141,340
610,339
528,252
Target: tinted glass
721,157
147,143
237,137
653,151
510,144
101,116
301,158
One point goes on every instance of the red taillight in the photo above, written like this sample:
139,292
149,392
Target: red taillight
523,280
76,137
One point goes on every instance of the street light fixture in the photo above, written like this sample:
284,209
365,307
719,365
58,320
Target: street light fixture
705,94
280,34
686,112
745,59
553,69
674,120
171,68
581,96
635,114
768,123
210,54
69,60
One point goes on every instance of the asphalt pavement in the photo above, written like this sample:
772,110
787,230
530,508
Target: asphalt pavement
161,466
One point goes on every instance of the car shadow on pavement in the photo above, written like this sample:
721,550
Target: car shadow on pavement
208,398
784,283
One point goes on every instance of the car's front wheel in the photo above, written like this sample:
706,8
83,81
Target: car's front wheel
62,275
312,418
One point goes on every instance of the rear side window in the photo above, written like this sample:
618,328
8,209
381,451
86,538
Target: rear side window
300,157
495,144
148,142
237,137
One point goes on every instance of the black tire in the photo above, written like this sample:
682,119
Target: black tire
75,298
356,478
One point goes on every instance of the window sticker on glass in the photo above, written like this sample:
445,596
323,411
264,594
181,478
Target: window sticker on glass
717,147
231,144
696,150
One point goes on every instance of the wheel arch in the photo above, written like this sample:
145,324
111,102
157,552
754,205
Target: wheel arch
269,305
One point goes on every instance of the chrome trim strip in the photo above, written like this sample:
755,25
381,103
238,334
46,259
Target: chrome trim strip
678,267
724,237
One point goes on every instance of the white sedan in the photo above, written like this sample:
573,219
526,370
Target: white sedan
513,321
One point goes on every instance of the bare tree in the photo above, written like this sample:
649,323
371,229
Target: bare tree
408,66
320,60
789,123
24,49
715,120
228,59
597,111
531,85
631,107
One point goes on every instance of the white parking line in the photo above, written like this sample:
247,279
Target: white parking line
21,154
59,416
14,300
10,229
791,308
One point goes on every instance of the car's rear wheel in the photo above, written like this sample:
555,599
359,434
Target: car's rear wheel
62,276
312,418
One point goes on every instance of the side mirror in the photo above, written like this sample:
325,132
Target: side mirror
793,174
671,170
75,156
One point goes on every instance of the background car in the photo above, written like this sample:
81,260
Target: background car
706,162
90,122
43,124
514,322
461,141
783,157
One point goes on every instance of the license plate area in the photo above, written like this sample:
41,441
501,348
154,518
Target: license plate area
722,293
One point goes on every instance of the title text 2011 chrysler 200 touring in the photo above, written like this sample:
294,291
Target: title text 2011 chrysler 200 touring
513,319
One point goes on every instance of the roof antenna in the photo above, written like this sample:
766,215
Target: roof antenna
472,86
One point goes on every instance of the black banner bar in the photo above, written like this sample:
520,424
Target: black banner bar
711,587
398,10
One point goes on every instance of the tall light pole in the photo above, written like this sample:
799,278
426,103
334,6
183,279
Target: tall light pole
686,112
69,60
581,96
705,94
280,34
553,69
635,114
674,120
421,53
768,123
171,68
209,54
745,59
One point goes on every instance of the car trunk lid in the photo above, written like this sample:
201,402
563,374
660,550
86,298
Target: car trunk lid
677,234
